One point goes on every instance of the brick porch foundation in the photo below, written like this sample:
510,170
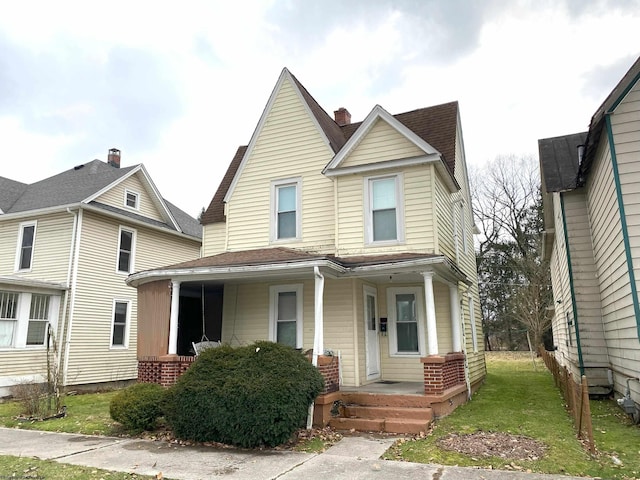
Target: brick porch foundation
442,372
164,370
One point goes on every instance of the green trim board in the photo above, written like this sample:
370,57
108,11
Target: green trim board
574,304
623,222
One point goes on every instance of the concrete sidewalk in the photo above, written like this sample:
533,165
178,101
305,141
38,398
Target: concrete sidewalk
353,458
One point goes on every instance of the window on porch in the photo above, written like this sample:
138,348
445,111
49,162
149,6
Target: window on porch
285,324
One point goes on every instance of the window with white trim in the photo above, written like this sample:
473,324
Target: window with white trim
26,241
25,318
126,250
285,215
8,317
384,215
463,222
406,331
131,199
285,322
472,320
38,319
120,325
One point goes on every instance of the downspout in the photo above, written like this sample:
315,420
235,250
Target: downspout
65,304
623,221
574,304
74,280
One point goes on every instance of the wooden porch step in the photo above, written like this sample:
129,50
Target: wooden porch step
402,413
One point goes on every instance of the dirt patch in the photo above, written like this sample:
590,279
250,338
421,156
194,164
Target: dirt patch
494,444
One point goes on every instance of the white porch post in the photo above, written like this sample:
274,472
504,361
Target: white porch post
318,337
455,318
432,331
173,322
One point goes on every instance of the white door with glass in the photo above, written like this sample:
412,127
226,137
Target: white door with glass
406,321
372,341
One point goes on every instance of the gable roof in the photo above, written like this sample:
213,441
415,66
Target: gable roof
10,191
435,125
559,161
82,184
597,121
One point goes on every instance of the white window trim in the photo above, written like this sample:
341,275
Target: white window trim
127,327
275,184
132,260
463,222
391,320
132,192
472,321
21,228
22,319
368,211
274,290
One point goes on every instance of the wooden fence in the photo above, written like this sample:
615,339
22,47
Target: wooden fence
576,396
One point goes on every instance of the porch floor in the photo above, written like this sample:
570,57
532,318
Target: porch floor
388,388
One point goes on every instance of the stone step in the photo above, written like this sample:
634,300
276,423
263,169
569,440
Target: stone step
385,400
389,425
402,413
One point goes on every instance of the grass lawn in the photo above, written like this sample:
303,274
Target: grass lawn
15,467
519,400
87,414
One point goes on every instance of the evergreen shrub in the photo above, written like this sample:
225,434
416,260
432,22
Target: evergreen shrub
139,406
247,396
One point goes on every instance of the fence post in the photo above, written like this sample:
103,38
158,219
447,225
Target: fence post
587,414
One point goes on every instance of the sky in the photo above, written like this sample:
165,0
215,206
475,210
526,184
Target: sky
179,86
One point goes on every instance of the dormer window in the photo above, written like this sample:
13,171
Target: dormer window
131,199
384,218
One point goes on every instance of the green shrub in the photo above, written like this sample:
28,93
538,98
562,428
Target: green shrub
247,396
139,406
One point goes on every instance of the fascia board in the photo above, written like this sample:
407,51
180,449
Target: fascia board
38,212
159,201
329,269
371,167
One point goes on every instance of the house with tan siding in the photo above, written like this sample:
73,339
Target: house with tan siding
67,244
591,186
350,241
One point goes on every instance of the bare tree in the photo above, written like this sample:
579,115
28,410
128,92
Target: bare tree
514,281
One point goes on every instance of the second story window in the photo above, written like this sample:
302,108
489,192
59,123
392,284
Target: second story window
126,246
285,195
131,199
26,242
384,209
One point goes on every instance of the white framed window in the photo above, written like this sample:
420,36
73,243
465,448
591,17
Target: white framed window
405,311
285,315
25,317
472,320
384,215
8,317
26,242
131,199
463,233
126,250
286,217
120,323
38,319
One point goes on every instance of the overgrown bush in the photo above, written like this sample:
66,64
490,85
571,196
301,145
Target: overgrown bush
31,396
247,396
138,407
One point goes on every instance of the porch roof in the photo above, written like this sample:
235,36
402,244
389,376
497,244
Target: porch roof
284,261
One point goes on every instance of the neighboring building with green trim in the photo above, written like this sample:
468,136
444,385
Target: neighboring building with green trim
591,197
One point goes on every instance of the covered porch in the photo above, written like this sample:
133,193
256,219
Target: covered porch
389,324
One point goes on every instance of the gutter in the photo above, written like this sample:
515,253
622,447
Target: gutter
623,218
574,304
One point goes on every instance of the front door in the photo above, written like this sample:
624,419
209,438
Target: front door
372,342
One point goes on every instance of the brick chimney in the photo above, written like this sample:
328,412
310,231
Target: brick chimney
342,116
113,158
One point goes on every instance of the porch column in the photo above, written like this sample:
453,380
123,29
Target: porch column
173,320
432,333
455,318
318,336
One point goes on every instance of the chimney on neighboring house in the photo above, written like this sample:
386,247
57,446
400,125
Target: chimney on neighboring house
113,158
342,116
